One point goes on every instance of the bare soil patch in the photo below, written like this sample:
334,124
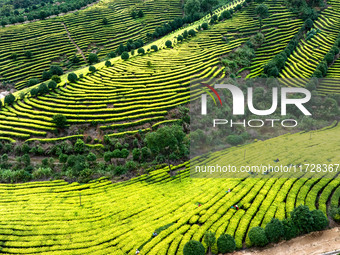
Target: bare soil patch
315,243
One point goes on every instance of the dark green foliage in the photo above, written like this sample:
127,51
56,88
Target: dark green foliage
125,55
52,85
43,89
60,120
168,43
205,26
193,248
105,21
93,58
32,82
72,77
28,54
179,38
185,34
46,75
320,221
91,157
154,47
9,99
274,230
262,12
141,51
226,15
192,32
79,146
258,237
334,212
92,69
168,142
108,63
133,14
234,139
302,218
226,243
56,78
136,153
309,24
140,14
56,70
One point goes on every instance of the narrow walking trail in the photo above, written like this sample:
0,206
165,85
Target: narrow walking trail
69,36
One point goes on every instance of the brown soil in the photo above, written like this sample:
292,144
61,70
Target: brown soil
315,243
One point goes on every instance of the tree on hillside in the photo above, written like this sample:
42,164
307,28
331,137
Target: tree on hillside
105,21
302,218
209,239
258,237
59,120
125,55
226,243
193,248
9,99
262,12
57,70
72,77
28,54
207,5
93,58
274,230
140,14
167,142
168,43
192,7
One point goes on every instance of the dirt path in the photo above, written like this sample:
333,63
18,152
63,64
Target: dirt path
312,244
69,36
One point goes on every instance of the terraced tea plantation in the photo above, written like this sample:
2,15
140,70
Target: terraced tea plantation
119,103
105,218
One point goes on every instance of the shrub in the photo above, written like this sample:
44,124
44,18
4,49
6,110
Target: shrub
180,38
329,57
56,70
108,63
91,157
205,26
320,221
79,146
192,32
92,69
105,21
46,75
289,229
226,243
274,230
234,139
125,55
59,120
9,99
154,47
56,78
43,89
93,58
209,239
75,59
168,43
72,77
140,14
32,82
185,34
133,14
141,51
28,54
258,237
193,248
52,85
309,24
42,173
302,218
